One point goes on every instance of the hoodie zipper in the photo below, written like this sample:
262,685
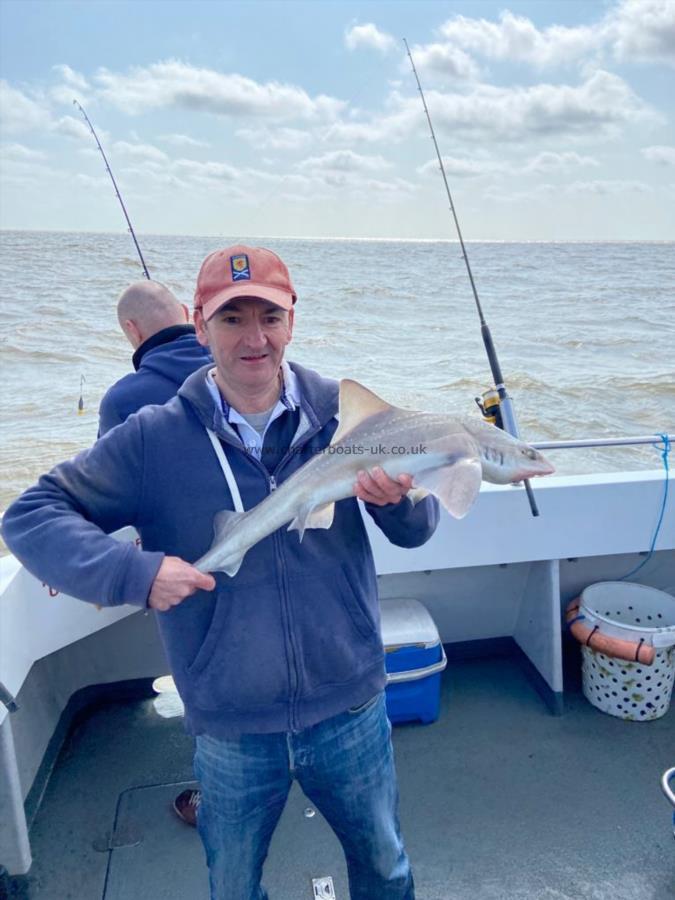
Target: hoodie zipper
293,672
292,650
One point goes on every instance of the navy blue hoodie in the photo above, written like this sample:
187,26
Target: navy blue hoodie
294,637
162,364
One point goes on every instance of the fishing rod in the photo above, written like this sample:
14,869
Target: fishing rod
112,178
80,402
505,405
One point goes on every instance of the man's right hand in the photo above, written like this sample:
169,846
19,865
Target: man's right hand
176,580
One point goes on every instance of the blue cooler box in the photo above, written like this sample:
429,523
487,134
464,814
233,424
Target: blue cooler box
414,658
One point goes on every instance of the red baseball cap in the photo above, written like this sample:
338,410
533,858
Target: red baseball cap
242,271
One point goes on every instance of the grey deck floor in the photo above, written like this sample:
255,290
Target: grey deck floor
499,801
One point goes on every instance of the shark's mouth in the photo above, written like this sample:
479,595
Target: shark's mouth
535,473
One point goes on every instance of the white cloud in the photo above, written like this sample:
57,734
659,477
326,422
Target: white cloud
517,38
344,161
182,140
342,173
75,128
99,183
349,174
608,186
19,180
71,77
386,189
275,138
632,30
23,167
150,173
665,156
152,168
445,59
643,31
63,94
368,35
462,168
73,84
599,106
19,112
19,152
206,172
141,151
405,117
547,191
548,161
182,86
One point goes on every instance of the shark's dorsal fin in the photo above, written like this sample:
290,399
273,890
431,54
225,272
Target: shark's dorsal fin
357,403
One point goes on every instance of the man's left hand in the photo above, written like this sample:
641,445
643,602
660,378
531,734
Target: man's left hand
378,488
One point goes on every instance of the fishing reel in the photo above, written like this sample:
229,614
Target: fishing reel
489,405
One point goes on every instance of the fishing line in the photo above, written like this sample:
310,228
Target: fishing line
505,403
665,440
112,178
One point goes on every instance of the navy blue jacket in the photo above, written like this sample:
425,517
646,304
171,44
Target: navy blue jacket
162,364
294,637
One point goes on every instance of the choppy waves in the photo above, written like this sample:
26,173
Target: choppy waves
584,332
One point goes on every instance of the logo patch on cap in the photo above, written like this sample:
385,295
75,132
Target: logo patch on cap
240,268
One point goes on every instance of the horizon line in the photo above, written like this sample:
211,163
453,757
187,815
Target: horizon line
408,240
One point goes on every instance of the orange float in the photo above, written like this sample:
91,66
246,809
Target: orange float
635,651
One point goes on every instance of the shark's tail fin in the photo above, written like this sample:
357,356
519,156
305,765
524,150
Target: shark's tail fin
216,559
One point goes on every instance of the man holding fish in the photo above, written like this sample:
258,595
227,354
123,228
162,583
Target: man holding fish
272,635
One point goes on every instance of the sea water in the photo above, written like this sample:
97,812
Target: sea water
584,333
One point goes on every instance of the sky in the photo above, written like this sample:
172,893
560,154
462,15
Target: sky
554,119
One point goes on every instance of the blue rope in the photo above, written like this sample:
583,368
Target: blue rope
665,440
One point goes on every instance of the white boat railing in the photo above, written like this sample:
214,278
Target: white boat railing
604,442
577,508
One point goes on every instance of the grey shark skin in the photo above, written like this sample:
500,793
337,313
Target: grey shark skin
447,456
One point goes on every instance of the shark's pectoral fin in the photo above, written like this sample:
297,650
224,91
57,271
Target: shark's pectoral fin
456,485
314,517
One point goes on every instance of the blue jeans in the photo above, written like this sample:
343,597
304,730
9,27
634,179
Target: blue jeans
344,765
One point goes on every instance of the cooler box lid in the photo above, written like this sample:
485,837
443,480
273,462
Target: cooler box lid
407,622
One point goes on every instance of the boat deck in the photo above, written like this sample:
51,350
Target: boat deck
500,800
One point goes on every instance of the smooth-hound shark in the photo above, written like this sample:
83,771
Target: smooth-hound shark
447,456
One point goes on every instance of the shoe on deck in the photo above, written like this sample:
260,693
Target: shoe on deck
186,805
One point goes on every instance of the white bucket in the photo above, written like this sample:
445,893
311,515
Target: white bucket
632,612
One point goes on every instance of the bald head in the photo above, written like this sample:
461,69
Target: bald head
145,308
